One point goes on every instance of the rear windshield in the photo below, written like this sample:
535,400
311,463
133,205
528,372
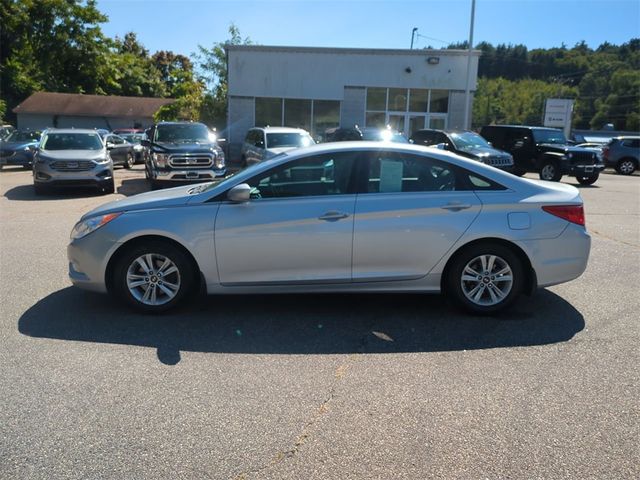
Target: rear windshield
189,133
295,139
72,141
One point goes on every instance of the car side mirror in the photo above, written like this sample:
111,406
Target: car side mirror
145,143
240,193
441,146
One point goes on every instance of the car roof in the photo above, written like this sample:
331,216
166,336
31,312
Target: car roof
280,129
180,123
522,126
72,130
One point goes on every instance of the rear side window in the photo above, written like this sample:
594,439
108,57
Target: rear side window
631,143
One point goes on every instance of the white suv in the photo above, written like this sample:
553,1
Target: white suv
262,143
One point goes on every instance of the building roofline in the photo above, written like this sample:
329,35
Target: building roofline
349,51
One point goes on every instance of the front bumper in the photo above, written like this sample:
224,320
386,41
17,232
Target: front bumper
188,175
583,170
18,158
98,176
87,260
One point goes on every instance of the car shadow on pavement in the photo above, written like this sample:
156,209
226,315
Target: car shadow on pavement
133,186
301,324
27,193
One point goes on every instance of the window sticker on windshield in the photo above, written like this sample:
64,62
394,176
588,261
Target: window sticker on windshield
390,176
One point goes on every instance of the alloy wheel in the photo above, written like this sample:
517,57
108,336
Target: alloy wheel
153,279
626,167
486,280
548,172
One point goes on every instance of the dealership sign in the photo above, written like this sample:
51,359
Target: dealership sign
558,113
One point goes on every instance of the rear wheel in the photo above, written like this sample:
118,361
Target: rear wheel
485,278
128,163
550,171
588,180
154,276
626,166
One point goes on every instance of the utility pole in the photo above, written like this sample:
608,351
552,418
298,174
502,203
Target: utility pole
467,92
413,32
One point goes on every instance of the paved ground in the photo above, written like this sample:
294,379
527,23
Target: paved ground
315,386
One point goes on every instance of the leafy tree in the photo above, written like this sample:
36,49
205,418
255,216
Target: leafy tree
212,64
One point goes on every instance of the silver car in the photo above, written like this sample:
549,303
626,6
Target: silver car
72,158
263,143
352,216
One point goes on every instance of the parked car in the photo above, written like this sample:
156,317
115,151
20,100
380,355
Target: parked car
136,140
72,157
351,216
18,147
591,145
623,154
342,134
374,134
465,143
182,152
5,131
121,151
545,151
262,143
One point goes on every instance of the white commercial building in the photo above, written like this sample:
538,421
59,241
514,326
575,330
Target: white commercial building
321,88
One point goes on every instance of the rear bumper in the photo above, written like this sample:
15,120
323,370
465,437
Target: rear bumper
561,259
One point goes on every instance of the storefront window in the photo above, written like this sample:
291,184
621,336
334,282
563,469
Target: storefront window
398,99
375,119
297,113
439,101
326,114
268,111
377,99
418,99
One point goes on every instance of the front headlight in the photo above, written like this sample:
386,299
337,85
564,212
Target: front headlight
219,160
85,227
102,160
161,159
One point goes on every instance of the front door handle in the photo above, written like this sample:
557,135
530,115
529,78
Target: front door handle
333,215
456,206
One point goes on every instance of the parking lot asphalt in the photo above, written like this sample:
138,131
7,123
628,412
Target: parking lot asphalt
315,386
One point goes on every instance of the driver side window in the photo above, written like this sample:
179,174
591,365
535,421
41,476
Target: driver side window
328,174
393,172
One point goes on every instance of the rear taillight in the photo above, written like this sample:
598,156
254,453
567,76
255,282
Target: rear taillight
570,213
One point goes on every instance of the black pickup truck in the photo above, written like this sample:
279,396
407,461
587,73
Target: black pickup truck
545,151
181,152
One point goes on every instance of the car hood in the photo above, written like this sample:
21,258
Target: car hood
169,197
12,146
484,152
195,147
555,147
72,154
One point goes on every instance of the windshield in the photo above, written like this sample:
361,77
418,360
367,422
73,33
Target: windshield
228,180
549,136
188,133
18,136
383,136
72,141
295,139
133,138
468,140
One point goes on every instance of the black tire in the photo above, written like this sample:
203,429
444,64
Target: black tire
129,161
108,187
582,180
550,171
626,166
186,276
504,256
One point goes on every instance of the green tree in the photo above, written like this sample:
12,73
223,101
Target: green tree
212,65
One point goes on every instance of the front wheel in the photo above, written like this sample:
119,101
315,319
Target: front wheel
582,180
128,163
154,276
550,172
626,166
485,278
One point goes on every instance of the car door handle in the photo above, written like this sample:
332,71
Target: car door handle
456,206
333,215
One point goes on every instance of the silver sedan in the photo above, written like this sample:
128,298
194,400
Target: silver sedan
356,217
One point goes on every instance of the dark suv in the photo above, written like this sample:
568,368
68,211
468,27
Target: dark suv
467,144
623,154
182,152
545,151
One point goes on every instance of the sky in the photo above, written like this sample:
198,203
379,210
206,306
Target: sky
181,25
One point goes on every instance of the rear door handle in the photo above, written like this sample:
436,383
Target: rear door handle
333,215
456,206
